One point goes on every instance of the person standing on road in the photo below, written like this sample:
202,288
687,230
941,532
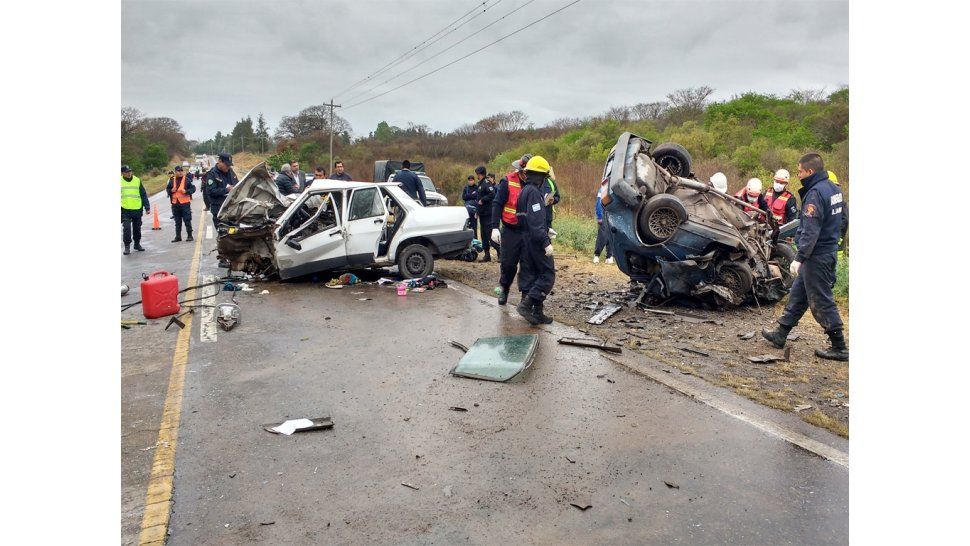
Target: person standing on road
602,237
537,272
218,181
298,175
486,194
469,194
180,190
780,202
815,263
285,181
512,235
134,198
339,173
410,183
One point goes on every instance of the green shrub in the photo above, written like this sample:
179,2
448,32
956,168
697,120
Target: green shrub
155,156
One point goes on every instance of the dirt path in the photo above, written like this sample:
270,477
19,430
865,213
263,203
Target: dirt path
713,350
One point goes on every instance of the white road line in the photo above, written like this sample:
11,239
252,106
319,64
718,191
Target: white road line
207,326
209,233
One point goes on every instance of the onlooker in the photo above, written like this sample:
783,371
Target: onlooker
470,196
180,190
286,181
410,183
602,237
319,173
486,193
133,199
338,172
298,175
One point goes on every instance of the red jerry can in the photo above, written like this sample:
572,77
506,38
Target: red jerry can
160,295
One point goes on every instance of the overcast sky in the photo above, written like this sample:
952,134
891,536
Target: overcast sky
210,63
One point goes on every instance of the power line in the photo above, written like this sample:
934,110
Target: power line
412,50
449,48
463,57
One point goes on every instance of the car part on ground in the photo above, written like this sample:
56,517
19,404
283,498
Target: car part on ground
498,358
682,238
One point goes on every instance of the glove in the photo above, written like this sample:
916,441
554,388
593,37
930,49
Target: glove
496,236
793,268
549,198
549,250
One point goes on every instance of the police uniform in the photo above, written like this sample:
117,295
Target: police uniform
537,272
134,198
822,216
486,194
216,188
180,190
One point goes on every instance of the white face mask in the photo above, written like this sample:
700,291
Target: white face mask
752,198
779,187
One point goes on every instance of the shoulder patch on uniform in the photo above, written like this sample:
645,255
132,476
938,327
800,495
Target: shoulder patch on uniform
536,207
810,210
210,181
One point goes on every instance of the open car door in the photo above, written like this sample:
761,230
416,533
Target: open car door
366,221
310,235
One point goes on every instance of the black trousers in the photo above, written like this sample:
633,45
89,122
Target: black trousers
537,272
602,241
474,223
131,226
485,228
214,207
812,289
183,214
512,241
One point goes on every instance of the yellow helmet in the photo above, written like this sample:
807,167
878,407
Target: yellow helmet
833,178
538,164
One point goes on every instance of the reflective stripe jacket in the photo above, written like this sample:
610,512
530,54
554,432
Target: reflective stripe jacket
185,185
133,194
781,206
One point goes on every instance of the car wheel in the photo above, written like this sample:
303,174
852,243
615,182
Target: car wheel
784,254
673,157
736,277
660,218
415,262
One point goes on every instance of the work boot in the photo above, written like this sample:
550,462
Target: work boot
543,318
526,308
487,258
503,296
177,239
837,350
138,247
778,337
189,238
127,250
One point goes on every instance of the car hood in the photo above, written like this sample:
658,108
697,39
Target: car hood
254,200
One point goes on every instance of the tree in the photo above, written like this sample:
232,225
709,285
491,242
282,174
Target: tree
155,156
165,130
652,111
311,121
687,104
241,133
385,132
262,132
131,121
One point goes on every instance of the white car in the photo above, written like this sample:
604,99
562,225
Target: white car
334,225
431,194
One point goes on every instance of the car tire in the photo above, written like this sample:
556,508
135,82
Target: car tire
415,261
736,277
784,254
660,218
673,157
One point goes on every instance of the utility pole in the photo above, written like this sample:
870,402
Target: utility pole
331,106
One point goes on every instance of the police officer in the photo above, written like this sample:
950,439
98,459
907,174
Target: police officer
537,272
551,195
780,202
410,183
133,199
511,236
486,194
469,194
218,181
180,190
814,266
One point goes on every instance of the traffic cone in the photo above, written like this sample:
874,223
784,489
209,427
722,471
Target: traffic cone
155,225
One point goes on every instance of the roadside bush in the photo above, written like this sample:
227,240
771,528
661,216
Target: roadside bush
283,156
155,156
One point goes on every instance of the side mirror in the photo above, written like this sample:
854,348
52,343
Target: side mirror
293,244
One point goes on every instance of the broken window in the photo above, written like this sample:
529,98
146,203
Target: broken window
365,203
317,213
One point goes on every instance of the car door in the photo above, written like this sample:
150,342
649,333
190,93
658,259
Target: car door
315,243
366,219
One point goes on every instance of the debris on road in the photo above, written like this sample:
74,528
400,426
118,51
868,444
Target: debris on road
591,343
583,506
267,522
671,485
747,335
498,358
458,408
793,336
802,407
124,290
459,346
265,292
409,486
229,315
568,459
290,426
363,299
765,359
127,324
693,351
603,314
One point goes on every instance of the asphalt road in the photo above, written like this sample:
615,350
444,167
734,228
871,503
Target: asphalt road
575,428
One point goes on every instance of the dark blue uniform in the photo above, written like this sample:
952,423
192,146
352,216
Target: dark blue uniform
537,272
216,187
470,196
513,236
411,184
181,212
822,218
486,195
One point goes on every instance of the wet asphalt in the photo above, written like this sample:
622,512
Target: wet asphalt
656,466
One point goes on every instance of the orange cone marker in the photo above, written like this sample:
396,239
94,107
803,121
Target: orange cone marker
155,225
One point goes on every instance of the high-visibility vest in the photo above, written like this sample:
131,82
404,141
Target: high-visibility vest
131,193
179,197
776,205
508,208
743,195
552,189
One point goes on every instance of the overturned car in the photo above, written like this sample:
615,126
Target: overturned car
682,238
334,225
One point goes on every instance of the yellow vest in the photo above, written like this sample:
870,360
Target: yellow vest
131,193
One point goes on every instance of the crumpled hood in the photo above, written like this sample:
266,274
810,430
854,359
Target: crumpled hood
254,200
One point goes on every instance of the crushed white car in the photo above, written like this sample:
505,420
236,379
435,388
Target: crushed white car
334,225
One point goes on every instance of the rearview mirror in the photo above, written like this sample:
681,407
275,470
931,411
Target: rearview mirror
293,244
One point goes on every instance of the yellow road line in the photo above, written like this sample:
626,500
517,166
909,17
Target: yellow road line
158,499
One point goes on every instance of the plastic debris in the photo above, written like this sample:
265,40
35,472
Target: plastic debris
290,426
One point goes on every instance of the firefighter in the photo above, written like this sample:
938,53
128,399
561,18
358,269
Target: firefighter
509,238
822,218
779,201
180,190
751,193
537,270
719,181
134,198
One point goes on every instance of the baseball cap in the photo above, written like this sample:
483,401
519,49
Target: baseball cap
178,167
225,158
125,169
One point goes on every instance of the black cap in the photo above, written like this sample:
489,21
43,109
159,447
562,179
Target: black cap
178,167
125,169
480,170
225,158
